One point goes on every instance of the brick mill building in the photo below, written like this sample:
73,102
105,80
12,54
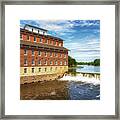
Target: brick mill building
42,57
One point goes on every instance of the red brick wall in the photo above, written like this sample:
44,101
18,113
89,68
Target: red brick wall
36,57
31,38
42,57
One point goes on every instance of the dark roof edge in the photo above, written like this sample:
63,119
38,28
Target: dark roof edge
35,27
44,35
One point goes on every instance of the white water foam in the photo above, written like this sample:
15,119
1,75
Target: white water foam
81,78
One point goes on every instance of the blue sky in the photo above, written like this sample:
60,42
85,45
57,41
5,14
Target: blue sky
81,37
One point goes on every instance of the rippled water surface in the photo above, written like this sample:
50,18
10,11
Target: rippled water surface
83,91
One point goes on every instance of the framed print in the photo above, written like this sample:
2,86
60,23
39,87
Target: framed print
60,60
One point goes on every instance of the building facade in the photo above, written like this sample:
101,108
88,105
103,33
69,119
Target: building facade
42,57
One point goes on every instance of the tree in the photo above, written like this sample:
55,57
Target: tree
71,62
97,62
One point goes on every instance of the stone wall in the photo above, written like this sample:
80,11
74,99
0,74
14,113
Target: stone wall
36,78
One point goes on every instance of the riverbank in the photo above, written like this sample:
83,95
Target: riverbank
44,90
60,90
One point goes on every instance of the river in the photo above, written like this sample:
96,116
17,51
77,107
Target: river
81,87
72,86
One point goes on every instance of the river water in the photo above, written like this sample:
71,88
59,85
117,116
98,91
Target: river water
88,69
80,87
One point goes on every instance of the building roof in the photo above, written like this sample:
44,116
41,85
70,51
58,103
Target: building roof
41,45
23,30
35,27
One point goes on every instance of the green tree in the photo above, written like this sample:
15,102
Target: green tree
71,62
97,62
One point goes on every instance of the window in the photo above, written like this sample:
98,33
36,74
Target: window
55,54
51,69
55,62
60,55
46,40
39,52
39,69
39,62
33,61
34,39
60,62
25,61
32,29
65,63
33,70
32,52
54,42
45,53
45,69
20,36
64,55
38,31
60,44
27,37
45,62
40,39
25,52
50,54
50,41
50,62
25,70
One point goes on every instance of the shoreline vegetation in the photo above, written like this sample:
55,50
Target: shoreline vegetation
72,62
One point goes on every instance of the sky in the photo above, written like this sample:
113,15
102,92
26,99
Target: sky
81,37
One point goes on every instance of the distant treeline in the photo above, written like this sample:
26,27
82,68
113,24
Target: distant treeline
72,62
96,62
